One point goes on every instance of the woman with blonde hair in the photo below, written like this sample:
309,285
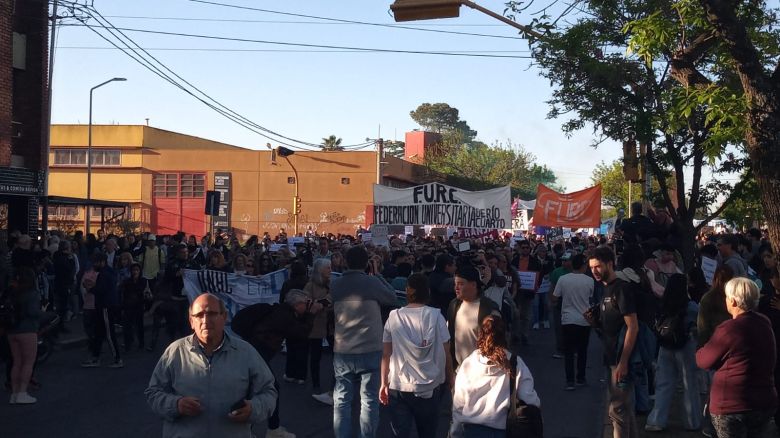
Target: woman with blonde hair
217,262
318,291
481,400
742,354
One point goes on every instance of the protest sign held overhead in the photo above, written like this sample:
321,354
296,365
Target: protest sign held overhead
570,210
439,204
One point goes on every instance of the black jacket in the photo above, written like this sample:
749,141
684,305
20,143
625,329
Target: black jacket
265,326
442,289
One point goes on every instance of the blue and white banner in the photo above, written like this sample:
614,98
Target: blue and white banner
237,291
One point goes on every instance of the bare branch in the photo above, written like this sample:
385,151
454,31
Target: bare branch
735,193
683,62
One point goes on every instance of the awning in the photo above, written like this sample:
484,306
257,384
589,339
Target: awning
64,200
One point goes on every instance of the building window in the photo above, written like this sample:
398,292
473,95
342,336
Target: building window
78,157
345,181
290,180
63,212
193,185
110,212
166,185
105,157
70,157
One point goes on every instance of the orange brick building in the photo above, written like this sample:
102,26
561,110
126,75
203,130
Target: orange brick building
163,177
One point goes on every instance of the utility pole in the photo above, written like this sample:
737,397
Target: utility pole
47,129
380,153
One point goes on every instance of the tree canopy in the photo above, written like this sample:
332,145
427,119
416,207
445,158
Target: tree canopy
331,143
627,70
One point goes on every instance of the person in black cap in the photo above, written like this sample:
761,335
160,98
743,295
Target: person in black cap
466,312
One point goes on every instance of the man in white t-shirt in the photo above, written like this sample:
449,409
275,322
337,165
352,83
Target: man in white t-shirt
576,291
415,362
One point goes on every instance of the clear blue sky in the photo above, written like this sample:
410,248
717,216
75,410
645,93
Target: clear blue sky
309,95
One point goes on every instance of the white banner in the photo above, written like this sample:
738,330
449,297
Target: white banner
439,204
237,291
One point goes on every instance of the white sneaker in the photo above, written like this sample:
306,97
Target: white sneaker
12,400
547,324
281,432
536,326
24,398
323,398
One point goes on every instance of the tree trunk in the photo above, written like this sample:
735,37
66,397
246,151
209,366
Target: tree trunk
687,243
763,144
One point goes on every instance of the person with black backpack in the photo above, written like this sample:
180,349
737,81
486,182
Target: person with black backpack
675,328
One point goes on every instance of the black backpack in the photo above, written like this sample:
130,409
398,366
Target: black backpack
672,331
523,420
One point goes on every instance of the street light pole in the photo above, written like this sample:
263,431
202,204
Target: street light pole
89,151
295,198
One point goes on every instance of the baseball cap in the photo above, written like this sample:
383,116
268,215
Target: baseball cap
151,237
567,255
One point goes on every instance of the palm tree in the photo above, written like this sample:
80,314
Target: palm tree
331,144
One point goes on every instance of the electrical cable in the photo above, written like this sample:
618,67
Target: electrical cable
343,21
239,20
225,111
215,49
322,46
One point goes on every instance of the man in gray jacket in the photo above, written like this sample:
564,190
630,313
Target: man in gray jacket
357,298
210,384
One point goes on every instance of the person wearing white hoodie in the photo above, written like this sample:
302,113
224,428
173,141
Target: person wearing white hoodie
481,400
415,362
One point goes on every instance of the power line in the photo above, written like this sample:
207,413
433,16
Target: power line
343,21
238,20
217,106
214,49
321,46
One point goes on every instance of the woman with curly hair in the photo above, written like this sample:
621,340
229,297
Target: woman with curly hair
480,403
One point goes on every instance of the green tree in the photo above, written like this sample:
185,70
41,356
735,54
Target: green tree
331,143
445,120
602,78
746,208
614,187
480,167
729,52
395,148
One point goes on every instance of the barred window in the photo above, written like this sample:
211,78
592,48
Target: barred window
166,185
78,157
193,185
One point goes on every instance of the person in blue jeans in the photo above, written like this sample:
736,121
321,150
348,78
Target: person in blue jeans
357,352
675,359
415,362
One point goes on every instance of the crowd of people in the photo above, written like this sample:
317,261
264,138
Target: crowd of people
419,323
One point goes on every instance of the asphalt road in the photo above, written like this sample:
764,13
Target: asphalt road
100,402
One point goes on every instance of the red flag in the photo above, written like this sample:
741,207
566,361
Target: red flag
571,210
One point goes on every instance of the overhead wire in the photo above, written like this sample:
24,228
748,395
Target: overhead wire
239,20
344,21
214,104
217,49
322,46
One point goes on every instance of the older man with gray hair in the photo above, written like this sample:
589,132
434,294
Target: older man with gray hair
210,384
742,352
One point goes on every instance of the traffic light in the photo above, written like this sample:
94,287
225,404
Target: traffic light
630,161
297,205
